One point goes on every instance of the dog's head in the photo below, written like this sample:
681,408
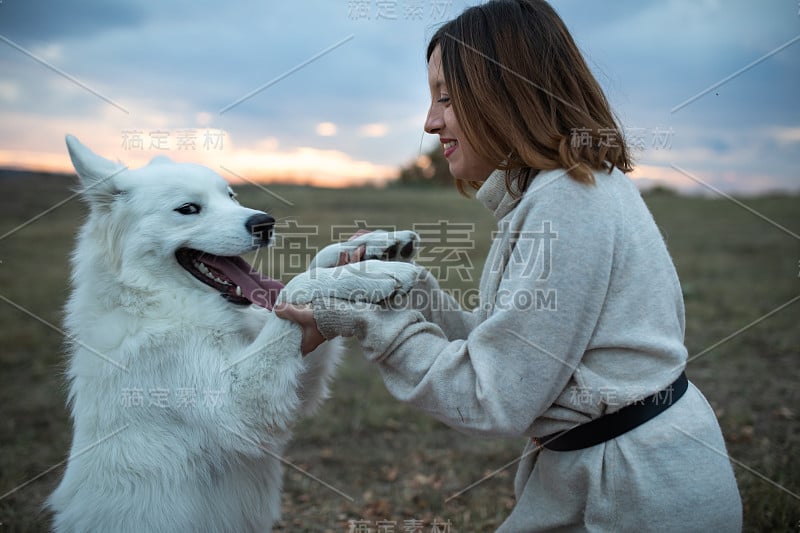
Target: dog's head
169,223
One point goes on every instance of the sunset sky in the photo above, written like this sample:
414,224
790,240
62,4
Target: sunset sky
334,92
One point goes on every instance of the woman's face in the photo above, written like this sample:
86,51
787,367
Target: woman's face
464,162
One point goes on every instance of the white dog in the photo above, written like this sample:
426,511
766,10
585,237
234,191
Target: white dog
182,390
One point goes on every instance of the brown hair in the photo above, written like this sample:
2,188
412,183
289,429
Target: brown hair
521,91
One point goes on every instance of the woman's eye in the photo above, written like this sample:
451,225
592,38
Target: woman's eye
443,99
188,209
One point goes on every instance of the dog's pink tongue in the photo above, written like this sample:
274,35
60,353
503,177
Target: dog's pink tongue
257,288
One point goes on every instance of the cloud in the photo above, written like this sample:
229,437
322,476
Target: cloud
261,161
374,130
785,136
174,65
326,129
183,60
324,168
9,91
706,183
34,21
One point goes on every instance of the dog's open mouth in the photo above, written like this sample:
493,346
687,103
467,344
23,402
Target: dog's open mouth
232,276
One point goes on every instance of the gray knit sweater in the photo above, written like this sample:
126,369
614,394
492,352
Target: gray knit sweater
580,313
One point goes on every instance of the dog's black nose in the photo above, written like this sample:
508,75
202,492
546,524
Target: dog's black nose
260,227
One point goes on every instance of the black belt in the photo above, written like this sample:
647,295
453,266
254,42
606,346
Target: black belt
615,424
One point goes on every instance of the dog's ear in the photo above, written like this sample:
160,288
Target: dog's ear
96,174
160,160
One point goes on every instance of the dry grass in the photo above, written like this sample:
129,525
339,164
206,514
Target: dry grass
395,463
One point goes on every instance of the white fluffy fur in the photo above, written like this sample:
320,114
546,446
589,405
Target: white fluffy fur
139,324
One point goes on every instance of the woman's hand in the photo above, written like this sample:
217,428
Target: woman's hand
304,317
358,254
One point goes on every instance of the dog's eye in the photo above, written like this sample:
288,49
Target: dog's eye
188,209
232,195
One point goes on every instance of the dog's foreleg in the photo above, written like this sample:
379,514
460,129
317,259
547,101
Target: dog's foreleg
369,281
264,379
320,366
383,245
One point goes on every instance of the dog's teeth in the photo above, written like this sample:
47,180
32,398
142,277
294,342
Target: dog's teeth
203,269
238,291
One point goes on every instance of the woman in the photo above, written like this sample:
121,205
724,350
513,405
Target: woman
578,338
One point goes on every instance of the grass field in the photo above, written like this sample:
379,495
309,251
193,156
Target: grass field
392,463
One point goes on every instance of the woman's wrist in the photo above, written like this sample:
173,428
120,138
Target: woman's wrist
335,318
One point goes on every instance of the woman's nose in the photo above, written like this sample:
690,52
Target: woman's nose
434,121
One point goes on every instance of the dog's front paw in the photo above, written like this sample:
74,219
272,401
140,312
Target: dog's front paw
378,244
370,281
387,245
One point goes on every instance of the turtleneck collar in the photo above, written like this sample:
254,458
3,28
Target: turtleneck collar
494,195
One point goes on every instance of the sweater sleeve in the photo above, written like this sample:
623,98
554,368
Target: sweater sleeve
439,307
512,366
